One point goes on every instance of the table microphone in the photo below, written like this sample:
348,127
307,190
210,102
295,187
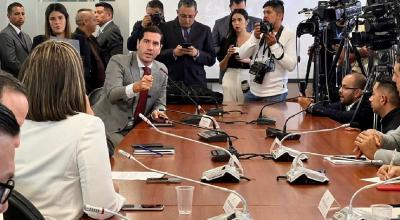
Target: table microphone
281,153
274,132
239,215
211,112
348,213
231,172
93,209
264,120
190,120
216,155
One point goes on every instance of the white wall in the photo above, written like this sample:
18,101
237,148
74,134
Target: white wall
127,12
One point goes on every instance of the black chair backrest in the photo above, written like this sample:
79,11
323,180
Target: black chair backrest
21,208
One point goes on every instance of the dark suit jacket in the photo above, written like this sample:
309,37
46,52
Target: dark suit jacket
89,64
221,28
13,50
185,68
114,107
337,111
110,41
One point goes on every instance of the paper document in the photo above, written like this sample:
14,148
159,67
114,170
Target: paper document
349,160
117,175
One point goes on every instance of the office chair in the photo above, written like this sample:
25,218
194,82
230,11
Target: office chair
95,95
21,208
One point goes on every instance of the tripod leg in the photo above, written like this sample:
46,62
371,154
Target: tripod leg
358,59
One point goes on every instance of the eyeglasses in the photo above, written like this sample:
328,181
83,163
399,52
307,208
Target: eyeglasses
348,88
5,190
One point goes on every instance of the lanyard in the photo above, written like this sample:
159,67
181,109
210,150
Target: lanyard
266,47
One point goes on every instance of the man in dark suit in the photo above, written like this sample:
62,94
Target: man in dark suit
154,16
15,44
109,38
220,29
350,95
134,84
187,46
93,62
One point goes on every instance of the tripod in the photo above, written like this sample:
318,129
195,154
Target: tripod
345,44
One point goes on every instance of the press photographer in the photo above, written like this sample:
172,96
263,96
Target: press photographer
272,48
154,16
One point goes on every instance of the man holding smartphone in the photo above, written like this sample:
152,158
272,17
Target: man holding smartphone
187,46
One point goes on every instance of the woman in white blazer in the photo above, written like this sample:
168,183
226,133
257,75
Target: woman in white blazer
62,163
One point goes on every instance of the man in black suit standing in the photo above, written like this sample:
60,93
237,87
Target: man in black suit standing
188,46
109,38
15,44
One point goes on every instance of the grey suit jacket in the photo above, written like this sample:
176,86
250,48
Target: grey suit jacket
114,107
110,41
221,28
386,156
13,50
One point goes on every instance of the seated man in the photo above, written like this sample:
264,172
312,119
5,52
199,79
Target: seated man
350,93
385,102
376,145
135,83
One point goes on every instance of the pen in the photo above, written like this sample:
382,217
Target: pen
149,150
392,160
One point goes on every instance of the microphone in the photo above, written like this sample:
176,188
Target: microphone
232,172
274,132
211,112
264,120
348,213
216,155
214,135
281,153
190,120
245,215
93,209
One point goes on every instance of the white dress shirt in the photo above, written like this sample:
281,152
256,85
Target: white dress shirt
62,165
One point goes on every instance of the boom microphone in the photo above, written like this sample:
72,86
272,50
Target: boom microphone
239,215
232,172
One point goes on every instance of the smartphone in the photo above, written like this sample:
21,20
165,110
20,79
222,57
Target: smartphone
142,207
186,45
163,180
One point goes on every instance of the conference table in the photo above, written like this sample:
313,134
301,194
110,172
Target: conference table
266,197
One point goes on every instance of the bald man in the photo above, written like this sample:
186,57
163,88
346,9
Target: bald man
94,63
350,93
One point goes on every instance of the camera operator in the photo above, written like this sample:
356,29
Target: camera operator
154,16
272,47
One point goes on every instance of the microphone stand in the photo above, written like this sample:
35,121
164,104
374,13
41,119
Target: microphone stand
211,112
274,132
245,215
232,172
264,120
348,213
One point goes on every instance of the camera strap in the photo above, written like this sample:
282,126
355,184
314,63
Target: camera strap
266,47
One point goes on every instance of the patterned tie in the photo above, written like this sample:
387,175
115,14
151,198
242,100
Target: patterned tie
141,105
186,34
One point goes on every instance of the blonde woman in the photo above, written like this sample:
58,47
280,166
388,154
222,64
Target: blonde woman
62,163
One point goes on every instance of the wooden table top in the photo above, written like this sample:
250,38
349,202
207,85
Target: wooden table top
267,198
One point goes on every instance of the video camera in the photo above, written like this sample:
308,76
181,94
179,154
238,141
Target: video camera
382,25
328,11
